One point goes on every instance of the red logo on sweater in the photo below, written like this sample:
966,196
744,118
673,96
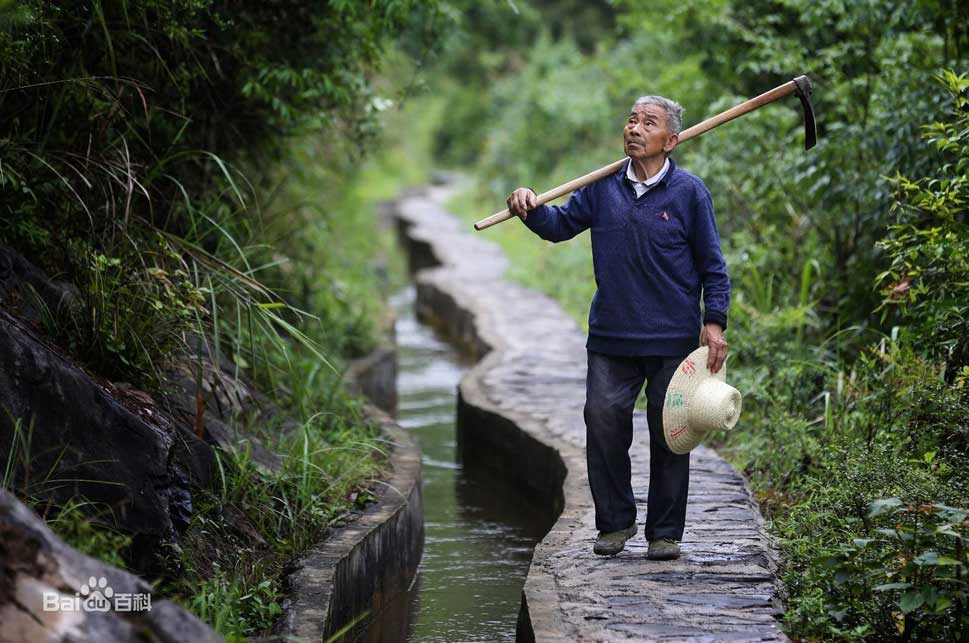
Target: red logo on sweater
663,215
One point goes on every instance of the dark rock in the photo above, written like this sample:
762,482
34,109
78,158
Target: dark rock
375,377
224,392
72,438
227,400
38,297
231,440
35,563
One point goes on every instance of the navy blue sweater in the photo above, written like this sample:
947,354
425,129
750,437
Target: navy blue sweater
652,255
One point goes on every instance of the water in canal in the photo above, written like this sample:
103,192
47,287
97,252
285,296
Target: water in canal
479,531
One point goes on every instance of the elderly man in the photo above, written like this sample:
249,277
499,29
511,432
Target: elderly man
655,244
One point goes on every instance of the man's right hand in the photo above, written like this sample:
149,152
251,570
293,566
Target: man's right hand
521,201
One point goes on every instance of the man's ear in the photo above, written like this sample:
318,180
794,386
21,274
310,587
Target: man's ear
671,143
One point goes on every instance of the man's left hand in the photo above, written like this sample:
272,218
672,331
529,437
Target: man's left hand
712,337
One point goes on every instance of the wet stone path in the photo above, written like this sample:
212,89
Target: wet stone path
531,376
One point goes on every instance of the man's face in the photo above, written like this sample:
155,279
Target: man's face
647,134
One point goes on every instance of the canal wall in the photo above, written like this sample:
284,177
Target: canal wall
363,567
520,412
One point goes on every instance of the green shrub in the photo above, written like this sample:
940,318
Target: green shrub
133,315
928,247
192,167
87,528
829,510
235,608
911,576
123,121
842,407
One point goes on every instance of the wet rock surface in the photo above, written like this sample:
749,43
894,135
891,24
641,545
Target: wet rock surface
521,407
34,562
28,289
68,433
80,441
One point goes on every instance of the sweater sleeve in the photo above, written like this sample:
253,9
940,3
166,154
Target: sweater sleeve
561,222
709,262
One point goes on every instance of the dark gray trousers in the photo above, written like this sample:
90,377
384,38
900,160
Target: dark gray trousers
612,385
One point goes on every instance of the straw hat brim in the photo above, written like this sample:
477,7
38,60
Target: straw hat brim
692,372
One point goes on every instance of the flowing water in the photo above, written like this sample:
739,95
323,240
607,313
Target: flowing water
480,532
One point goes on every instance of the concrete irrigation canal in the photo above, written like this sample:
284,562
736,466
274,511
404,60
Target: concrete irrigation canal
489,447
479,533
520,412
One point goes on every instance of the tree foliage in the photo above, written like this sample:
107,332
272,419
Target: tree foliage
849,312
928,247
139,137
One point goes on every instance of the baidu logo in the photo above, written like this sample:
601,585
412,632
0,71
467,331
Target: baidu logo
96,596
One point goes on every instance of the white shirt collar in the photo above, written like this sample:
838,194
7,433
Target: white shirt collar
651,181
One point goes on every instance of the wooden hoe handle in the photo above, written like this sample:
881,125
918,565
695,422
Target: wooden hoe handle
777,93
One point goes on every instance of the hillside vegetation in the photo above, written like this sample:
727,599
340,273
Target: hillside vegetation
204,173
201,174
849,263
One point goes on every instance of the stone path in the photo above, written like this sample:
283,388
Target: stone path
723,588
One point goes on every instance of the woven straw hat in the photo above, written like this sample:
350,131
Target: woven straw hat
697,402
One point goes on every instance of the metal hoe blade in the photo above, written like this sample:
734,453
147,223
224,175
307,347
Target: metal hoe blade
810,128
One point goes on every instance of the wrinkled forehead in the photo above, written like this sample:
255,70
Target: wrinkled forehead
642,109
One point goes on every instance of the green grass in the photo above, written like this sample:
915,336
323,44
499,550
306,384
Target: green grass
233,558
319,248
324,248
229,566
822,437
86,525
173,226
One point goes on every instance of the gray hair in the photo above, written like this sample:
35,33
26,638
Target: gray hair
674,111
